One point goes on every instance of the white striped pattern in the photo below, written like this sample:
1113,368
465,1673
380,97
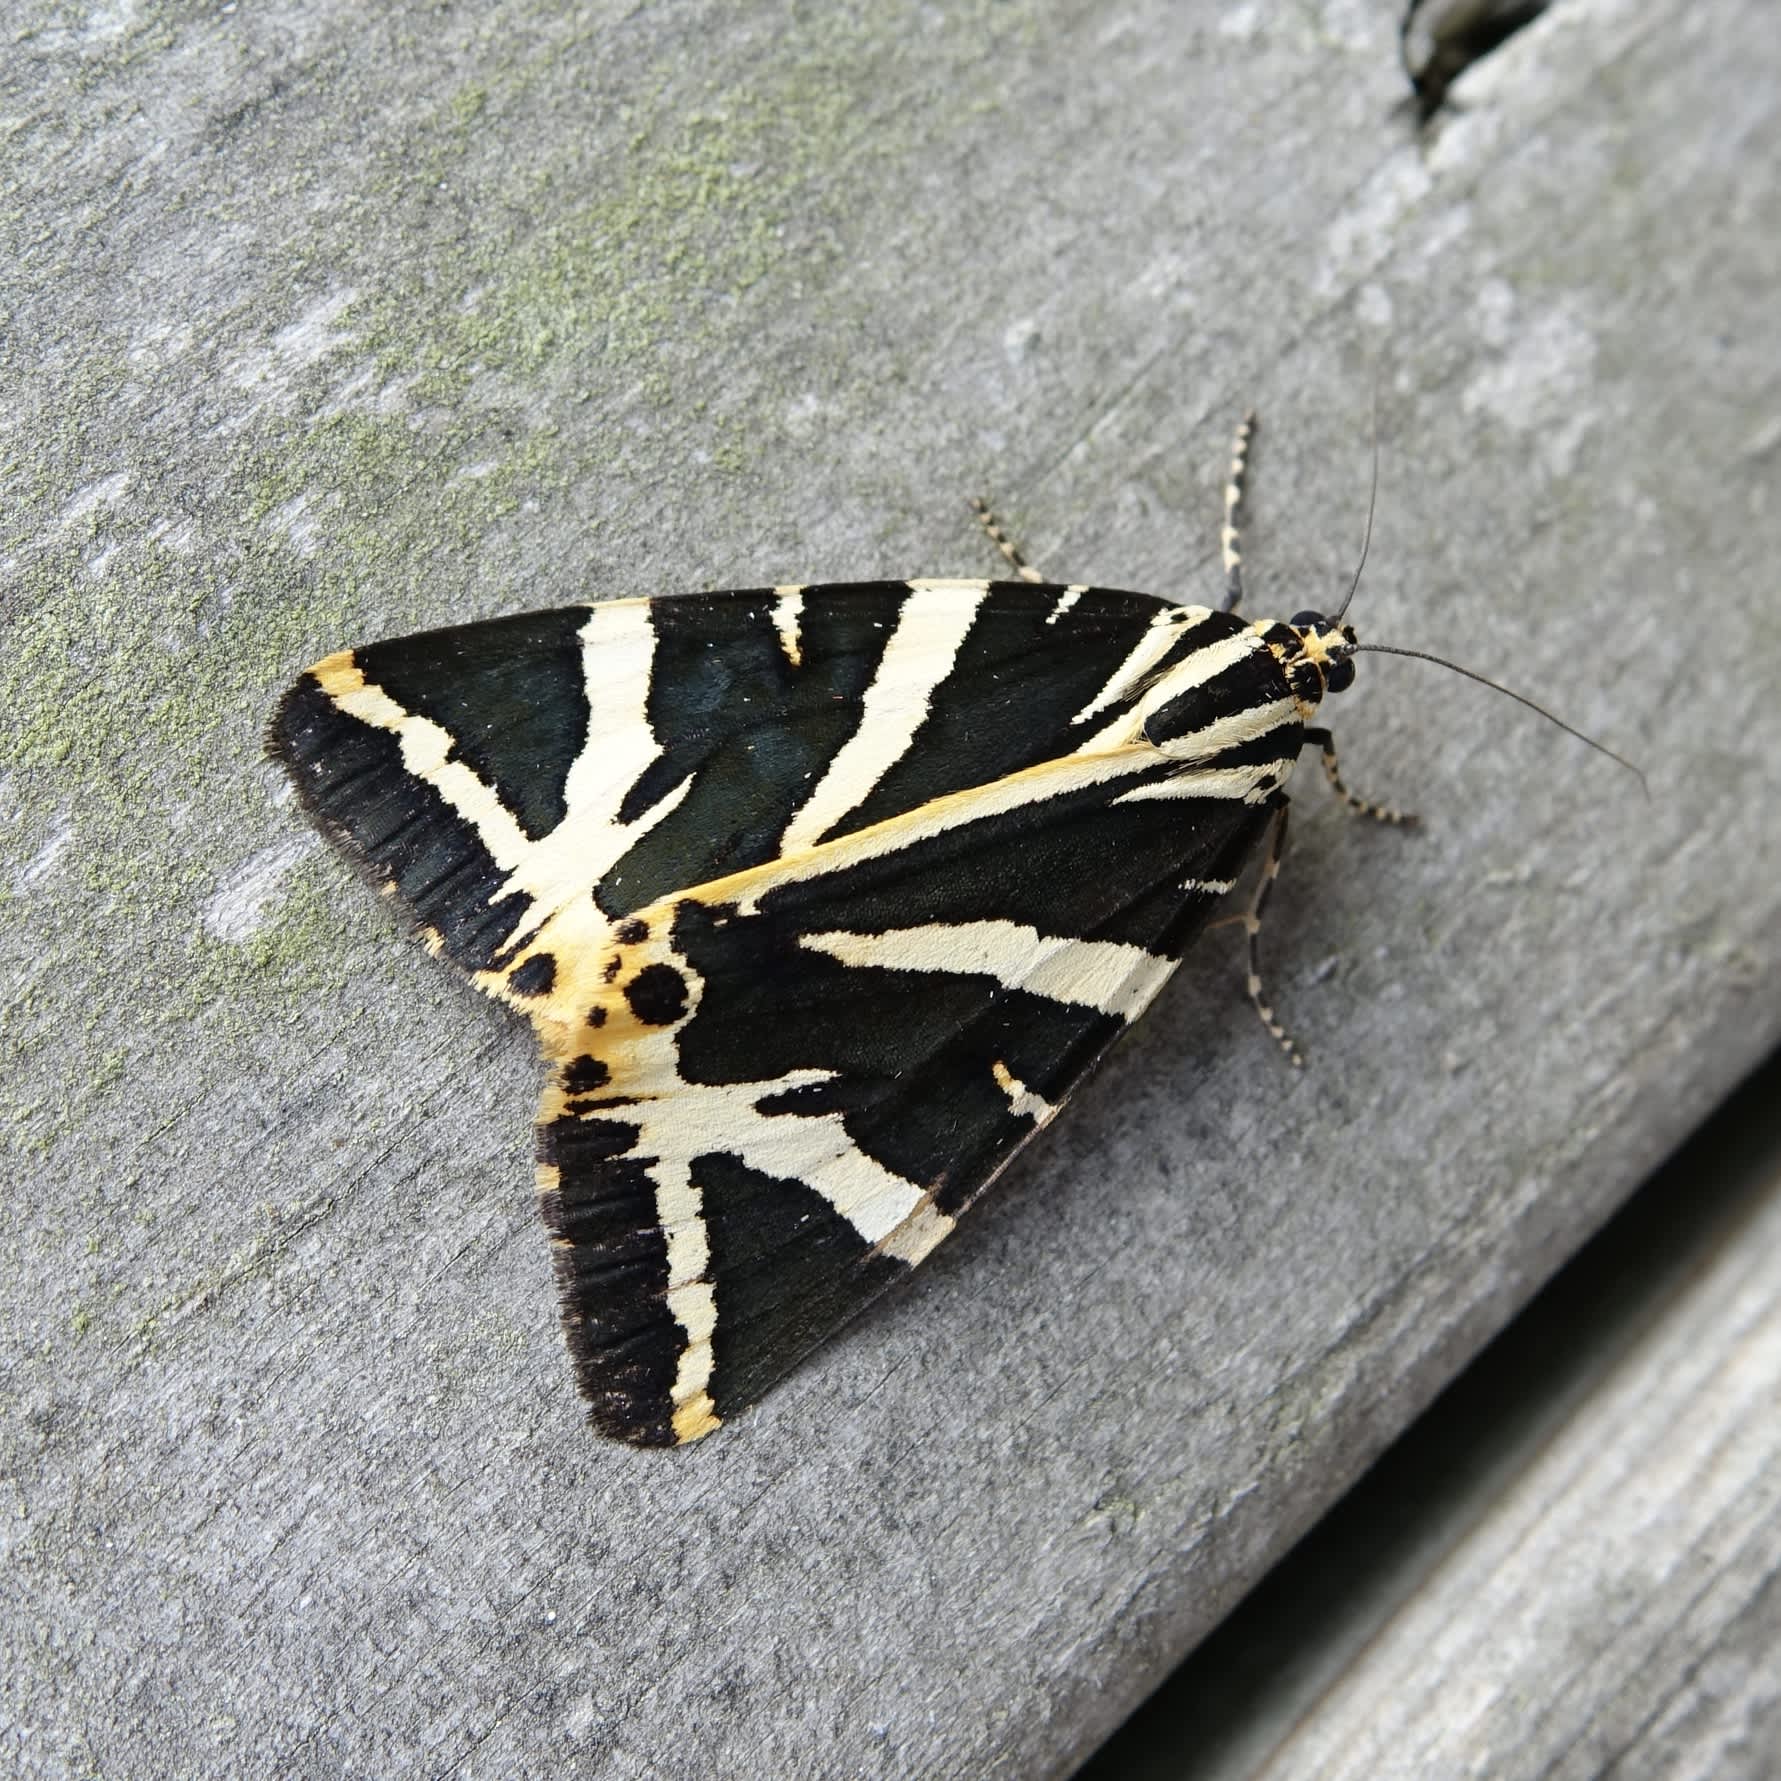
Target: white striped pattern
1240,785
1104,974
1066,600
684,1120
425,746
1163,633
678,1120
919,656
618,645
1199,666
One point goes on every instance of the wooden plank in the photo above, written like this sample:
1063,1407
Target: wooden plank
1613,1605
1568,1564
328,322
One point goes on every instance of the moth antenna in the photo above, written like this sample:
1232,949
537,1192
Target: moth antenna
1372,501
1422,655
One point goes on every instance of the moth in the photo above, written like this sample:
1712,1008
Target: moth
820,900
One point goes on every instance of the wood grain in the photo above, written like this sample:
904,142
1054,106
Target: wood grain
1567,1564
1613,1606
327,322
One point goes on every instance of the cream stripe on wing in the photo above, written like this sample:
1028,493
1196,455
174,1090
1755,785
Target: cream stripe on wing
1066,600
1023,1103
1104,974
618,645
1193,670
1032,785
1160,636
920,654
680,1207
788,613
425,747
1240,785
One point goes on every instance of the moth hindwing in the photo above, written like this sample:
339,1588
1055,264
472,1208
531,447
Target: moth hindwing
821,900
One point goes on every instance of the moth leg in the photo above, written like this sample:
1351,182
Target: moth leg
1252,925
1386,813
1003,542
1230,534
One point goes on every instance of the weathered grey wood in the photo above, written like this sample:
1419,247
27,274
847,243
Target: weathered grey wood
325,324
1606,1583
1603,1596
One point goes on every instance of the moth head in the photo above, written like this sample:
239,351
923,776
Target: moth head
1326,648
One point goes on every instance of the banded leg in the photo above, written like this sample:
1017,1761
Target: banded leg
1403,819
1003,542
1252,925
1230,534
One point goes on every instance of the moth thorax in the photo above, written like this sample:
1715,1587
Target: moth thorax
1315,654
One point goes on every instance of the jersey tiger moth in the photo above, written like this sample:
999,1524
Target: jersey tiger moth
820,899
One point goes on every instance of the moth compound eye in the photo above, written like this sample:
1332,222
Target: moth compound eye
1309,621
1340,677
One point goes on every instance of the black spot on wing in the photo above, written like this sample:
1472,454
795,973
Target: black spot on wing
787,1271
509,692
657,995
583,1075
535,976
397,829
578,1142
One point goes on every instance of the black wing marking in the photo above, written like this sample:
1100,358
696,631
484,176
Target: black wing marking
492,772
822,899
837,1052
